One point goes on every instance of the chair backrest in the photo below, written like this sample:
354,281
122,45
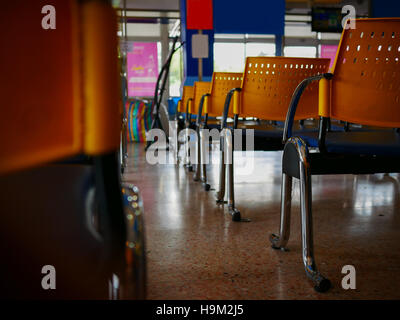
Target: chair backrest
221,84
366,82
57,96
200,89
269,83
187,94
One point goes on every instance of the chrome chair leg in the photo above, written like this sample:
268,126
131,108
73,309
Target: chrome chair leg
220,194
235,213
302,171
197,173
188,164
176,141
114,288
280,241
321,284
231,186
204,155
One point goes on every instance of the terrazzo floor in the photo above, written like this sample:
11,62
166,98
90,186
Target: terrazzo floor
195,251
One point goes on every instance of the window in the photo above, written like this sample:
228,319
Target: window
254,49
229,57
298,51
175,73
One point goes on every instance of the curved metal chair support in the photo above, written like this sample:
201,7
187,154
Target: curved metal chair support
186,162
226,146
280,241
228,142
220,194
199,143
203,145
176,140
287,131
296,147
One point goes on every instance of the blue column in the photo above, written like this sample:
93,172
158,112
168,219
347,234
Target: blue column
385,8
279,45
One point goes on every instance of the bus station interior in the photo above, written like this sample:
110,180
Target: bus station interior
83,189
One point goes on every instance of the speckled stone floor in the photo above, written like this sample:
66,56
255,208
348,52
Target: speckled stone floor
195,251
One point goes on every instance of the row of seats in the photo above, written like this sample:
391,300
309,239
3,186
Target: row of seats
61,199
307,111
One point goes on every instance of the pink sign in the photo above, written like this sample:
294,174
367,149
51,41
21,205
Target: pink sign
329,51
142,69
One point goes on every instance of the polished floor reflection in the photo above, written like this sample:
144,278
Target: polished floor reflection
195,251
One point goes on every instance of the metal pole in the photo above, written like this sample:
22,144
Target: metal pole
200,60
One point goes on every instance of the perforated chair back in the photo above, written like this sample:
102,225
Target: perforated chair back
366,83
52,87
269,82
200,89
221,84
187,94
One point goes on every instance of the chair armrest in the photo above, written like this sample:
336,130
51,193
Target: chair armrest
201,108
226,106
287,132
187,118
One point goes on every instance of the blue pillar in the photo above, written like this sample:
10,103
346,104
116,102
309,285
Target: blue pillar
385,8
190,65
279,45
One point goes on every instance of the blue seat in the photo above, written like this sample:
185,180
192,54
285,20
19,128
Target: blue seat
308,134
383,143
373,142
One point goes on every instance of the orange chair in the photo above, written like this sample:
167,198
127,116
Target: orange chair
363,88
212,104
182,107
61,103
186,102
200,88
265,93
187,97
221,84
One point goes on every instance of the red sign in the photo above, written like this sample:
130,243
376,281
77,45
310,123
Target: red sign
199,14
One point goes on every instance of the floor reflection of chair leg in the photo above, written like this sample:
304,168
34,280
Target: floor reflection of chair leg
321,283
280,241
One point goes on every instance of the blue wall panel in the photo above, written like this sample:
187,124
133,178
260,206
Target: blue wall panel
249,16
385,8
